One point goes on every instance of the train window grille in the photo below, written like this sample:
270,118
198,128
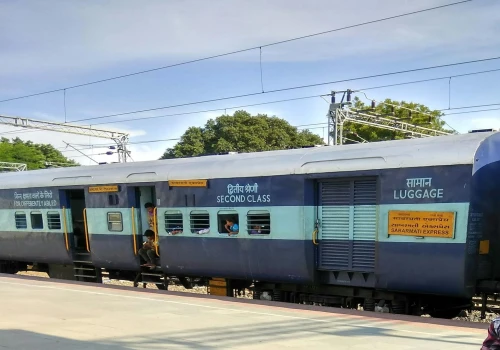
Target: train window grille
224,215
53,220
115,222
21,221
36,220
259,222
173,221
200,221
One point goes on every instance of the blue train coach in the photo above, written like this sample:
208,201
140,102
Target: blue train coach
412,224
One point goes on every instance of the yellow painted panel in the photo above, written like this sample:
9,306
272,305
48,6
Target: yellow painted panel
422,223
484,247
101,189
187,183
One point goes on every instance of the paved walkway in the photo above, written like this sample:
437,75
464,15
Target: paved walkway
43,315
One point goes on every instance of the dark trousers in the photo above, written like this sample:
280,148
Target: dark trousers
148,255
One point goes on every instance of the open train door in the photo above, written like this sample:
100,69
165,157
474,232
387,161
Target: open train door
142,215
77,239
75,216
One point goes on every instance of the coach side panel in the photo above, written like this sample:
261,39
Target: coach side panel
423,215
33,226
280,252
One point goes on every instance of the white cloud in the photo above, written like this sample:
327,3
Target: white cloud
60,43
72,37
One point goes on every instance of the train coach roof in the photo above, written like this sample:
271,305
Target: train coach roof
432,151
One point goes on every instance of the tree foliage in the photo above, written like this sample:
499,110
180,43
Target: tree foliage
425,118
241,133
32,154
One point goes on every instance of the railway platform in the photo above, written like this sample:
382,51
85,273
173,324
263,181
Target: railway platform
51,314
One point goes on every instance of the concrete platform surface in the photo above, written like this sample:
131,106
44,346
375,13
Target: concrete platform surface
42,315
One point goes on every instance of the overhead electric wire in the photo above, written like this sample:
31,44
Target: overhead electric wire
291,88
477,111
213,110
288,100
240,51
430,79
292,99
102,145
298,98
476,106
188,113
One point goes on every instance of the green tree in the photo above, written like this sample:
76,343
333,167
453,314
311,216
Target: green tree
241,133
32,154
424,117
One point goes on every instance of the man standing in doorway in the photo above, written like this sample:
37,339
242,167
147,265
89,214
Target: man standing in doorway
151,216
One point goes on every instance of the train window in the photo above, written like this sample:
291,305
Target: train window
173,222
21,222
115,222
200,221
53,220
113,199
259,222
230,215
36,220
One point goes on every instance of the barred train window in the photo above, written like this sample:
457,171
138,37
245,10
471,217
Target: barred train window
224,215
115,222
200,221
173,221
21,222
259,222
36,220
53,220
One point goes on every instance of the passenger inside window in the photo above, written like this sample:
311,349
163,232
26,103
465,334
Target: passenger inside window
175,230
231,227
256,230
147,252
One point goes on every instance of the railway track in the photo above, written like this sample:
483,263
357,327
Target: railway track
492,305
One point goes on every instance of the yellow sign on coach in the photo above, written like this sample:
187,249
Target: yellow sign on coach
102,189
187,183
422,223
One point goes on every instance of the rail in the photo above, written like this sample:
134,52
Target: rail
133,231
155,230
65,226
86,230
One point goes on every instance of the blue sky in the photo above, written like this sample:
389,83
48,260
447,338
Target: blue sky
55,44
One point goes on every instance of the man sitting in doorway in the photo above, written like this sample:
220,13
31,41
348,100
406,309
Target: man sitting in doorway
147,252
150,207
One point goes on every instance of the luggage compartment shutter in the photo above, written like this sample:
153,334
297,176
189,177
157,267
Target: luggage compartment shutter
348,232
